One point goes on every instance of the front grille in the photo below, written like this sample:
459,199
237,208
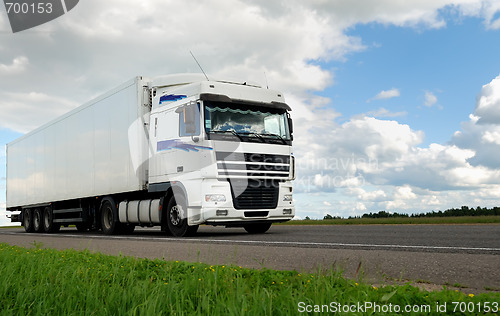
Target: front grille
254,178
254,194
253,165
252,157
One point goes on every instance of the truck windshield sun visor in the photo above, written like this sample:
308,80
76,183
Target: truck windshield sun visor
224,98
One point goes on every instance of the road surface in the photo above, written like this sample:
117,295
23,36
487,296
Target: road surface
468,255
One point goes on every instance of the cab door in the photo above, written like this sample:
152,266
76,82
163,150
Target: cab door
190,151
163,133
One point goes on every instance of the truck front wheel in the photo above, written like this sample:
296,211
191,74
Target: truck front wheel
177,218
28,220
108,222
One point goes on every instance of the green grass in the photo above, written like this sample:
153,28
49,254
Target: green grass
37,281
401,220
6,227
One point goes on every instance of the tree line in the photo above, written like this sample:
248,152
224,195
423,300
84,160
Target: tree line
462,211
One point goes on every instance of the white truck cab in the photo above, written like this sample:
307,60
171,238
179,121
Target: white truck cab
227,146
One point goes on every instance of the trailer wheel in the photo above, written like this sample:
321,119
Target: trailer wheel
28,220
48,221
38,220
176,218
108,221
257,228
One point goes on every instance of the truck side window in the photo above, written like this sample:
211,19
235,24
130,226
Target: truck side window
189,120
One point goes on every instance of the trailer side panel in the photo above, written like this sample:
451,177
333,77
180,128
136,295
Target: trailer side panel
86,152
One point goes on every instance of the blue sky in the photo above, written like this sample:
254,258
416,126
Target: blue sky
452,63
394,102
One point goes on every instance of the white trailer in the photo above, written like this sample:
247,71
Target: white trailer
176,151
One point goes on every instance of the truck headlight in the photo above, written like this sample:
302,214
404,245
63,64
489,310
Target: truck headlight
215,198
287,198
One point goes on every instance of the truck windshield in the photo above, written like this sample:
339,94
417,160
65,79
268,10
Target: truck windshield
248,123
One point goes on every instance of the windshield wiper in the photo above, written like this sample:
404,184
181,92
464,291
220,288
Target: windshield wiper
275,135
228,131
256,135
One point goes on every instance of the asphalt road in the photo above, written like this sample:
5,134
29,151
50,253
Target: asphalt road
468,255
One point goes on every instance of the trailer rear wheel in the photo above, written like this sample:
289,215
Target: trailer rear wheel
48,221
257,228
176,218
108,221
28,220
38,220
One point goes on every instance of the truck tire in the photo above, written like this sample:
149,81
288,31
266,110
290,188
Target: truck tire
48,221
109,223
38,220
257,228
28,220
176,219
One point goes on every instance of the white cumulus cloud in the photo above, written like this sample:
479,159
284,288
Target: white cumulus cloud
430,99
480,133
492,136
488,103
23,112
18,65
386,94
490,12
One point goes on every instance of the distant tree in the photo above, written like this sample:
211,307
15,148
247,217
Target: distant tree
328,216
399,215
307,218
462,211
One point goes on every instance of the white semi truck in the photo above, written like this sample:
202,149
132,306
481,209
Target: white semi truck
175,151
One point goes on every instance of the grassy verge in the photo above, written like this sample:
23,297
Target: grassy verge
47,281
401,220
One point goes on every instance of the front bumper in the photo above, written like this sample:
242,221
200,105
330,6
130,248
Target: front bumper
234,217
225,212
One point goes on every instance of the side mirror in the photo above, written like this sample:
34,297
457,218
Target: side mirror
190,118
290,125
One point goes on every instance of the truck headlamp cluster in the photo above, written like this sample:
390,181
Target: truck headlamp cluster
287,198
215,198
